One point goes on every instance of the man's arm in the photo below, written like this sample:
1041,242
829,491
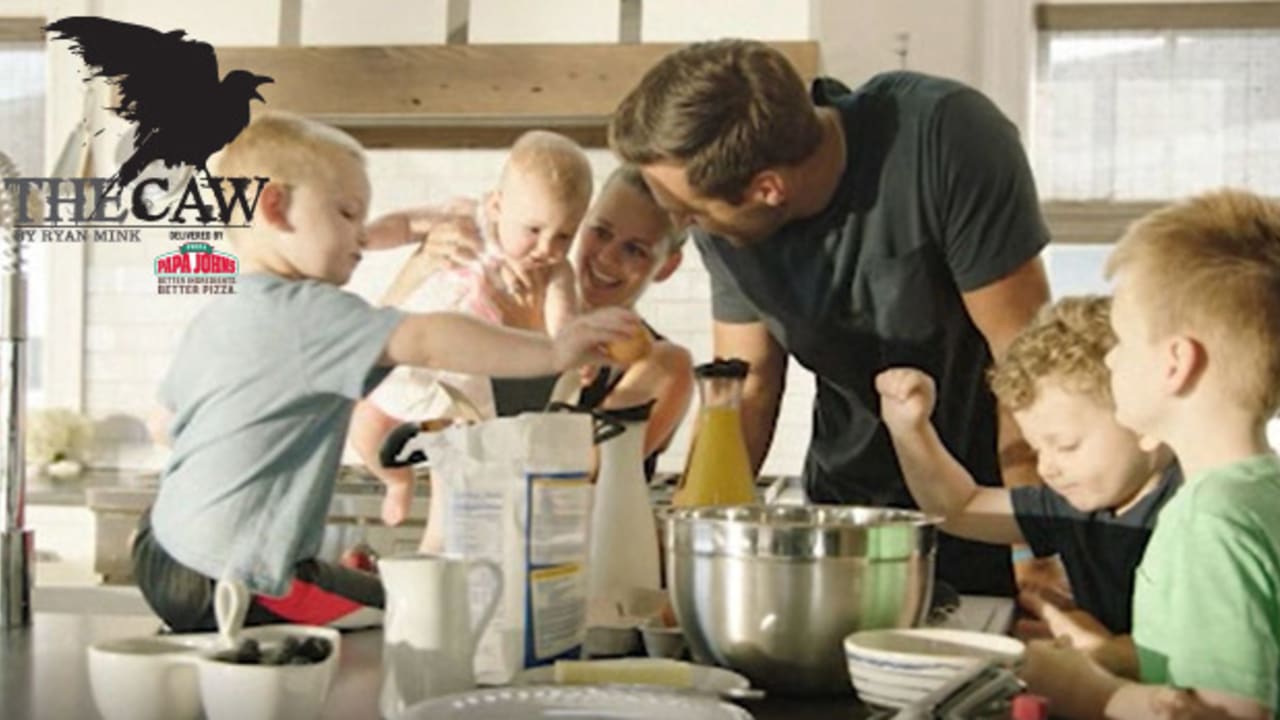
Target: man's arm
1000,310
762,393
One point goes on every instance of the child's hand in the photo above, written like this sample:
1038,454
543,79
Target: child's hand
1064,619
517,290
1074,684
907,396
581,341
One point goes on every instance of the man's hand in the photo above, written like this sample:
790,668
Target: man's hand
581,341
907,397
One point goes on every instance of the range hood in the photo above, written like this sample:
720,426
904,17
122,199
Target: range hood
457,96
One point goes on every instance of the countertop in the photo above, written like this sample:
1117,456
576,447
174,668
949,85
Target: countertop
43,673
81,489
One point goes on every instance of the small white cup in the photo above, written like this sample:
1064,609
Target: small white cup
144,678
268,692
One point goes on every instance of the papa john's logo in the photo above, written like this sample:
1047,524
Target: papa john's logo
196,269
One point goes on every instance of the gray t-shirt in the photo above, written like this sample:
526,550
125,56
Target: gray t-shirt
262,388
937,199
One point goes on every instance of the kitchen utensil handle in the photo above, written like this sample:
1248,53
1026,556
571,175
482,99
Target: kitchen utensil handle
492,607
230,605
394,443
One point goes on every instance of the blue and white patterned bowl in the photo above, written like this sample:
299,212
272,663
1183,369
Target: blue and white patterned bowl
895,667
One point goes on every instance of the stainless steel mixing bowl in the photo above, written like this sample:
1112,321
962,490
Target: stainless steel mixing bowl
772,591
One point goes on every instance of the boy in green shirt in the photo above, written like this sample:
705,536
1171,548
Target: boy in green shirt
1196,366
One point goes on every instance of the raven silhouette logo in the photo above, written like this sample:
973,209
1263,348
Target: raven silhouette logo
169,87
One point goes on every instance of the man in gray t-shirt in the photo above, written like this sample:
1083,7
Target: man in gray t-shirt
896,224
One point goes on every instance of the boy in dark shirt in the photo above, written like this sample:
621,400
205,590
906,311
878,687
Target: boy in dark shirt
1103,487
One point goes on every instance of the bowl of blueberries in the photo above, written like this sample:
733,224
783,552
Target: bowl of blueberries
274,672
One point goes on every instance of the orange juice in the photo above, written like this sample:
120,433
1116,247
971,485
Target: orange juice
718,471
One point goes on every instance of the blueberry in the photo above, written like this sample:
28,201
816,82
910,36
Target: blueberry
249,653
315,649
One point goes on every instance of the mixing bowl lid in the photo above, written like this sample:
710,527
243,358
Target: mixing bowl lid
802,531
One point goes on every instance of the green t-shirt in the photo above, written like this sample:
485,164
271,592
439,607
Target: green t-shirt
1206,605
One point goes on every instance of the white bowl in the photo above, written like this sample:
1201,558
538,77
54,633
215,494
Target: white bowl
144,678
268,692
163,677
896,667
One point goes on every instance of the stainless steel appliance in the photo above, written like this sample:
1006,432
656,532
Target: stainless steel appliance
16,540
771,591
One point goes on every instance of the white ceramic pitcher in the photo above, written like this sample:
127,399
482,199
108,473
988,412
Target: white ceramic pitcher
429,642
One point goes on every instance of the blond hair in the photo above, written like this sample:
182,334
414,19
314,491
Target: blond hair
286,148
725,110
1065,344
629,175
556,161
1209,266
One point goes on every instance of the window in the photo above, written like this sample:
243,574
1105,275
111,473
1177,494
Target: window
1154,114
1136,105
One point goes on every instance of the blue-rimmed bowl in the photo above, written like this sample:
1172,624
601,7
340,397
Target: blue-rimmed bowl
895,667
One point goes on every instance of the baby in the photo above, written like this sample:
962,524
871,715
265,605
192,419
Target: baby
521,278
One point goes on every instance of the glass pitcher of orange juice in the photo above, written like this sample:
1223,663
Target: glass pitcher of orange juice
718,471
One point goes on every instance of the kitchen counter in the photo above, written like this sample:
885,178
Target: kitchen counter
87,520
43,673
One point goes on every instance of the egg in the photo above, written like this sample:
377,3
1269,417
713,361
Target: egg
632,349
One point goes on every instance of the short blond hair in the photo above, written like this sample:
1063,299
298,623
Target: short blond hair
629,175
1209,266
1066,344
287,149
556,161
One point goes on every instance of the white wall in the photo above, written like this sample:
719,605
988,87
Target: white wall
985,43
683,21
570,21
130,332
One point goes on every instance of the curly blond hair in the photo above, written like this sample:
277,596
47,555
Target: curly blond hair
1066,342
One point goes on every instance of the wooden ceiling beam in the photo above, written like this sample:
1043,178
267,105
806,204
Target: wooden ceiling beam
461,95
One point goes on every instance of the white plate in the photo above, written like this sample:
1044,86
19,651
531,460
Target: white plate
705,678
582,701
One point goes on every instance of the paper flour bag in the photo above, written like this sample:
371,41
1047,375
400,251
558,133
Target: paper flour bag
517,491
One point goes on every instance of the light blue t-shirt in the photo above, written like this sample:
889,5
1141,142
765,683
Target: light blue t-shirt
262,388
